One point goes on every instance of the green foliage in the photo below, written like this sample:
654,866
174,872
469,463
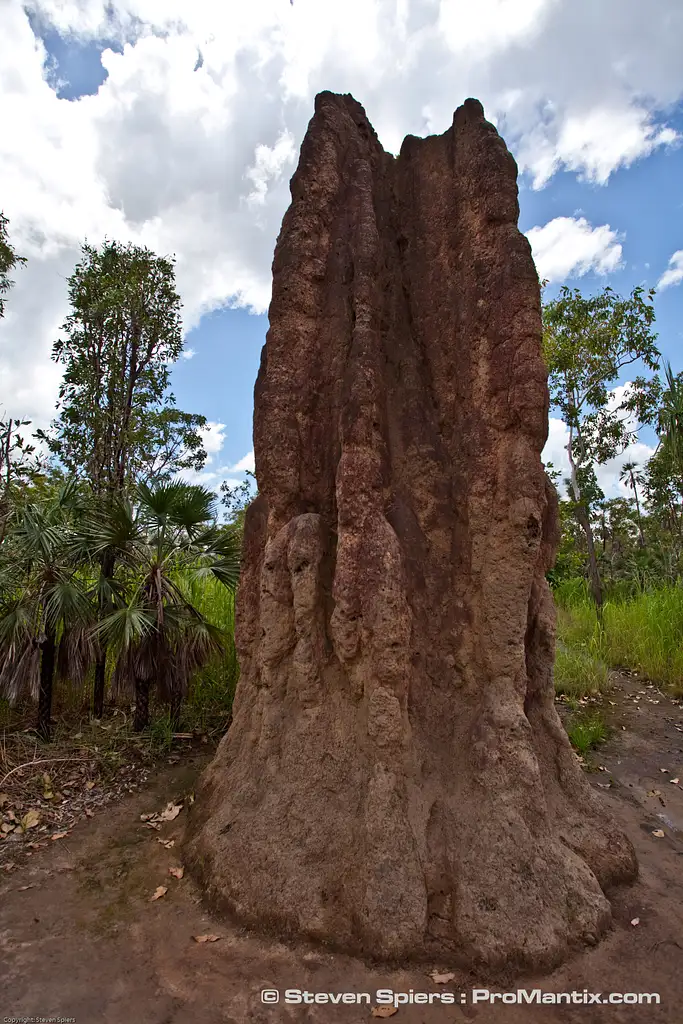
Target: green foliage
166,541
236,500
46,609
586,732
8,261
578,673
587,342
642,632
161,733
117,422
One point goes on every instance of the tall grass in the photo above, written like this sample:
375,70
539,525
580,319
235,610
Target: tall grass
643,633
209,701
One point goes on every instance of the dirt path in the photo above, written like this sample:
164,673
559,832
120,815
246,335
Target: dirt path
80,939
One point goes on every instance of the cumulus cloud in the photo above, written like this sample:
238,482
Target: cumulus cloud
189,353
193,156
213,436
570,247
674,274
246,463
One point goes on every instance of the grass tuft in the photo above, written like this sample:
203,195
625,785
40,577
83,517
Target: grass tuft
587,732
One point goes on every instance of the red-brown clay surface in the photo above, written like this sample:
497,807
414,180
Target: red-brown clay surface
395,746
85,941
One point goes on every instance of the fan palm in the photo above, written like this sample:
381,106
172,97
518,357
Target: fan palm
159,637
633,476
45,605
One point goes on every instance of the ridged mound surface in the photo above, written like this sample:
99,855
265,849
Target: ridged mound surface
396,780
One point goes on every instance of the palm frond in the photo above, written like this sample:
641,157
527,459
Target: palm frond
125,628
66,602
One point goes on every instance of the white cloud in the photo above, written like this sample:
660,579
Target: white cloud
197,162
674,275
244,464
213,436
570,247
189,353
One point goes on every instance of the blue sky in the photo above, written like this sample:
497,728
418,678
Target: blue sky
118,127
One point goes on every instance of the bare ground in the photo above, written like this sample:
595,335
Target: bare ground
80,938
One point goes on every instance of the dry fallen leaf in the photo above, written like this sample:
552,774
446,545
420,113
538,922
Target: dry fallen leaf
666,770
176,872
635,921
90,785
23,888
384,1011
4,799
147,817
6,827
59,835
674,782
206,938
168,843
658,833
30,820
441,979
170,812
160,891
89,813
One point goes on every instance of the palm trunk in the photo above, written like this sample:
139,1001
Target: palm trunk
141,717
47,672
106,569
641,535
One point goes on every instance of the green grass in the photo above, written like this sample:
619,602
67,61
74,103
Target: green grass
578,673
643,633
209,701
587,732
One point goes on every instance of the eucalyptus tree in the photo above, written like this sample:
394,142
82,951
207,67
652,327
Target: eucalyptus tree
588,343
117,422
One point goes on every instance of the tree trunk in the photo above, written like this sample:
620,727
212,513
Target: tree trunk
641,535
141,716
48,657
106,570
583,517
593,570
396,780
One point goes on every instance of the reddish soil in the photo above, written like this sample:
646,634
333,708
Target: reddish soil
79,937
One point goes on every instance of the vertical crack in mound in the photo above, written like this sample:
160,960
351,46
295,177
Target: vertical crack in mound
396,780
